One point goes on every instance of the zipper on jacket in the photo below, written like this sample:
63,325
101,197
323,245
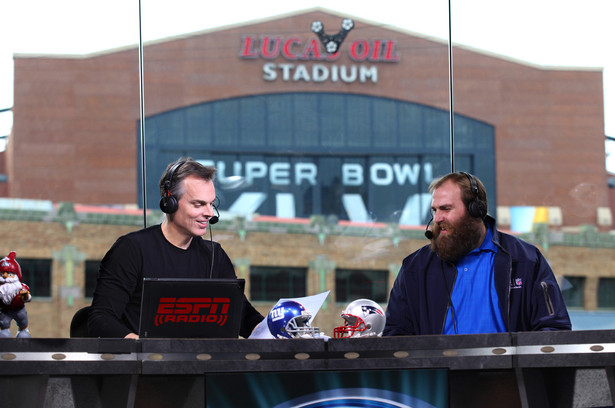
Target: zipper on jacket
496,242
545,291
449,306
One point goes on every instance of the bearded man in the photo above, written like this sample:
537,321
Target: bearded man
472,278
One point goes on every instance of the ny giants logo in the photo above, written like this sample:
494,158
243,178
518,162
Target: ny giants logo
192,310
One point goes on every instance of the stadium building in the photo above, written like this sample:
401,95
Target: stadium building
324,158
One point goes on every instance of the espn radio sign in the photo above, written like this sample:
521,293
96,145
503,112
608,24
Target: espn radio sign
192,310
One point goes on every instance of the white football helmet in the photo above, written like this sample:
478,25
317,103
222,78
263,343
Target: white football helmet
363,318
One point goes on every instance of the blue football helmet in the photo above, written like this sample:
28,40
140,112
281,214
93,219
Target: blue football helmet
289,319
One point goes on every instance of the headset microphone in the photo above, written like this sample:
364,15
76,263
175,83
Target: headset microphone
428,233
214,219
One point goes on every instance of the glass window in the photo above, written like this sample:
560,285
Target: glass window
36,273
270,283
606,293
355,159
353,284
297,133
572,289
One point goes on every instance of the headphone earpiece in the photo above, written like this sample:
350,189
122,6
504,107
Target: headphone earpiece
476,207
168,203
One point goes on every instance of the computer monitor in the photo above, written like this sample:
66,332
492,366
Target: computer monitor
191,308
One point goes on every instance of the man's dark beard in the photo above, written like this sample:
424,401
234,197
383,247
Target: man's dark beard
459,240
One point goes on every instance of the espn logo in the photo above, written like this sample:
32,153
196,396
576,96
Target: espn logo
192,310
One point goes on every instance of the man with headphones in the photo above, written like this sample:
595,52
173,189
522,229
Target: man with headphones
173,249
472,278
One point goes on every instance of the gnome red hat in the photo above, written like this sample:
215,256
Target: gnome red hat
10,265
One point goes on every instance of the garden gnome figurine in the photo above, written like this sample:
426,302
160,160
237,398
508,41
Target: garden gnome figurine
13,298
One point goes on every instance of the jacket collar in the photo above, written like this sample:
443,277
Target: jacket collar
490,221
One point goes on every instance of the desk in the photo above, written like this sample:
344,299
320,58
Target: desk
537,369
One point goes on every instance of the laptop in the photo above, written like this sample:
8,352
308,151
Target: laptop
191,308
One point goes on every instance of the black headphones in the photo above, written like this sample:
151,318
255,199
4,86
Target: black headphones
168,203
476,207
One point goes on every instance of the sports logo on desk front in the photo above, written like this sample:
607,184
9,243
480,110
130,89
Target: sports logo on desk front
192,310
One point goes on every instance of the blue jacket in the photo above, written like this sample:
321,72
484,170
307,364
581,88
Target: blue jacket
529,296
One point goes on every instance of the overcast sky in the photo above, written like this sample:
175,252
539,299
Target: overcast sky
545,32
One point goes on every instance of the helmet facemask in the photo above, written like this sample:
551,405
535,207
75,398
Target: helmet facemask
353,328
300,327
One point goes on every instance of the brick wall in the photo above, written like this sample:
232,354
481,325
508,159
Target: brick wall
50,317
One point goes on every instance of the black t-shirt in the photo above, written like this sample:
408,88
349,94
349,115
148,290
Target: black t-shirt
146,253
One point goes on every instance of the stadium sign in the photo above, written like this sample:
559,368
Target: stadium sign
296,51
285,187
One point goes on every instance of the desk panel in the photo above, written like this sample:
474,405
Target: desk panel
513,369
